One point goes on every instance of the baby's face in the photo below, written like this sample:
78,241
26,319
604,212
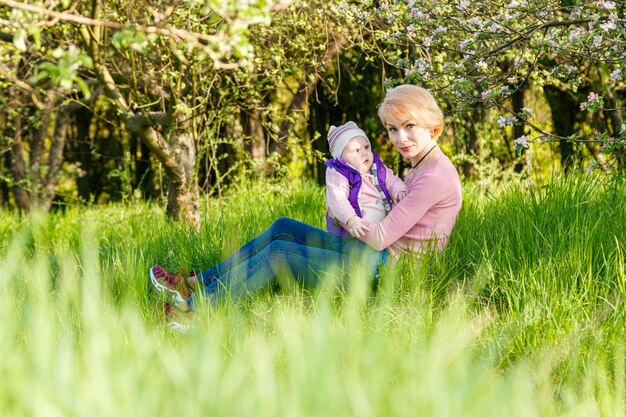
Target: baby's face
358,153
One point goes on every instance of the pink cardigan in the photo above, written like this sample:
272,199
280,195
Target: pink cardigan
425,217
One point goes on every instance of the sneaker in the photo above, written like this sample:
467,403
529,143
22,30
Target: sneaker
174,287
174,318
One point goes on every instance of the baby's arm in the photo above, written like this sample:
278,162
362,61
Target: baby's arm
337,192
396,187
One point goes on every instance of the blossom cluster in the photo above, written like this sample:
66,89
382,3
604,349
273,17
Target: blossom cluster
521,143
478,55
505,121
594,103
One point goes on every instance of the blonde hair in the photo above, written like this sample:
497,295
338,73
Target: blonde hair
412,102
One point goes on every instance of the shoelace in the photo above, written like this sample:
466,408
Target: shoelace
171,278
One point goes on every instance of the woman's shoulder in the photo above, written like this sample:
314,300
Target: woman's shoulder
440,166
443,161
440,174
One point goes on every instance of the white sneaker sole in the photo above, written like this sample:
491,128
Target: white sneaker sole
174,296
178,327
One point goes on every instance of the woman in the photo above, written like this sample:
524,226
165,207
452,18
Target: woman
421,222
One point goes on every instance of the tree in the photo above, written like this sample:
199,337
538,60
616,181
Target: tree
36,121
478,55
207,89
154,61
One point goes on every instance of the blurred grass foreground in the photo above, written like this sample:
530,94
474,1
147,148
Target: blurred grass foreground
522,315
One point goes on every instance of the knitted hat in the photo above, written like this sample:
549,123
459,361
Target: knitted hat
338,137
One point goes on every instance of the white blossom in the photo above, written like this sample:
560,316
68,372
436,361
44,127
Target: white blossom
608,5
616,75
440,29
575,34
505,121
410,30
482,64
597,41
521,142
593,164
608,26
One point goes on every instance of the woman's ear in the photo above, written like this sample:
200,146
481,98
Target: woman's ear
436,132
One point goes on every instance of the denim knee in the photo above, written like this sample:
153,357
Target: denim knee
282,223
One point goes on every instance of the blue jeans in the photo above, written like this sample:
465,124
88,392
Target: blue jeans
287,248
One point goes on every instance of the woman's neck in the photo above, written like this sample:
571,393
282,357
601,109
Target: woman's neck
424,159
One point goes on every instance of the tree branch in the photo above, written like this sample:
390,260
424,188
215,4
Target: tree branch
168,31
200,40
102,72
534,29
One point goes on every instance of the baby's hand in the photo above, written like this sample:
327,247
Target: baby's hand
399,196
355,226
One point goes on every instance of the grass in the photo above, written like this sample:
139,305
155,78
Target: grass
522,315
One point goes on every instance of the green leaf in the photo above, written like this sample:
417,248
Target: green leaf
19,39
84,88
65,83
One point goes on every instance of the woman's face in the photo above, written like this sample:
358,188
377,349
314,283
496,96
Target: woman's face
358,153
409,138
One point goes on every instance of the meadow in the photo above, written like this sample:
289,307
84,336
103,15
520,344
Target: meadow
522,315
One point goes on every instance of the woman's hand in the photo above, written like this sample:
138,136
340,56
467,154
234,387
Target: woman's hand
356,227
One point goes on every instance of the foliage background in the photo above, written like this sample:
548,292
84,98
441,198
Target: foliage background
107,101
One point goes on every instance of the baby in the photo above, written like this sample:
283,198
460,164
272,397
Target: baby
358,185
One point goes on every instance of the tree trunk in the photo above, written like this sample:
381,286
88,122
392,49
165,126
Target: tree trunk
38,139
55,158
178,156
564,110
144,174
37,154
616,119
255,135
471,147
183,195
4,187
82,150
320,119
18,167
622,157
309,81
518,129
